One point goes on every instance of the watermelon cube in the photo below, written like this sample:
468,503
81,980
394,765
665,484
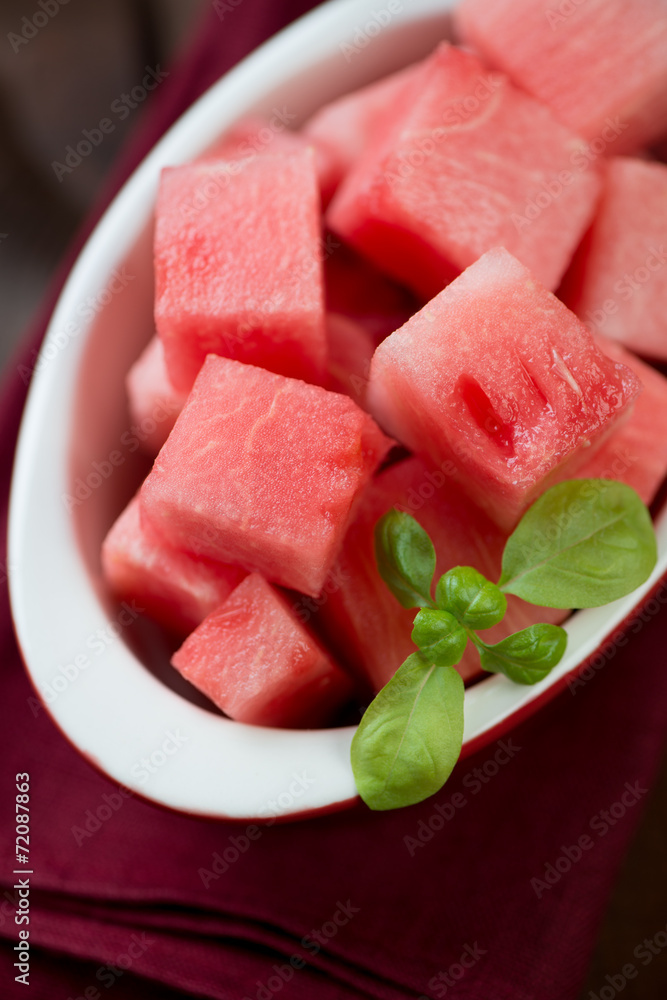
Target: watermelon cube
263,471
618,281
351,349
256,136
496,375
175,588
355,288
473,164
361,618
349,125
636,451
258,664
238,266
601,65
154,402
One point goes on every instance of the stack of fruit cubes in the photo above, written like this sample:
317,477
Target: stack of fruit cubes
427,298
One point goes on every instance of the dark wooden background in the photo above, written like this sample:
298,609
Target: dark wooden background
63,81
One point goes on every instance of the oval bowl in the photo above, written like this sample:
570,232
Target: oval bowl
100,672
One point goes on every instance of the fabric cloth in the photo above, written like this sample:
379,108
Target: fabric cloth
493,889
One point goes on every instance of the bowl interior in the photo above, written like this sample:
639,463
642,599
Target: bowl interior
103,674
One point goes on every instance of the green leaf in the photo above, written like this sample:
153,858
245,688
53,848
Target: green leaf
410,737
584,543
439,636
473,600
405,558
527,656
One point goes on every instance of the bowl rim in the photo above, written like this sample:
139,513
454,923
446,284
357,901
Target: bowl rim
47,621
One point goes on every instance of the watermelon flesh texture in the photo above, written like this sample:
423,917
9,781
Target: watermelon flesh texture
617,283
153,401
346,127
601,65
351,349
238,266
264,472
258,664
175,588
496,375
636,452
257,136
361,618
356,289
473,164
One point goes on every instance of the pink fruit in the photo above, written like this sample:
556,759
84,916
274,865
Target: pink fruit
617,284
497,376
175,588
601,65
346,127
254,660
356,289
473,164
351,350
636,451
154,402
257,136
238,266
264,472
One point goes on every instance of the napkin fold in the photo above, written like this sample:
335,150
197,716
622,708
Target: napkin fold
492,889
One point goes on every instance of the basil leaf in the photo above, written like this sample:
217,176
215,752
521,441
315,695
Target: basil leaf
405,558
440,638
471,598
584,543
410,737
527,656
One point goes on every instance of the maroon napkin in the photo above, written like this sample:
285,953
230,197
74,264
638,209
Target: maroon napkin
493,889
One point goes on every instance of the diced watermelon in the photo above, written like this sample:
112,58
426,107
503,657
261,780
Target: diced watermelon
498,376
256,136
474,164
254,660
618,280
351,350
238,266
174,588
349,125
154,402
636,451
263,471
355,288
601,65
362,620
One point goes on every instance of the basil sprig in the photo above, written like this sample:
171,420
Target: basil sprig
527,656
584,543
406,559
395,763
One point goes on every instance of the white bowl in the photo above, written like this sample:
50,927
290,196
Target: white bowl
123,706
